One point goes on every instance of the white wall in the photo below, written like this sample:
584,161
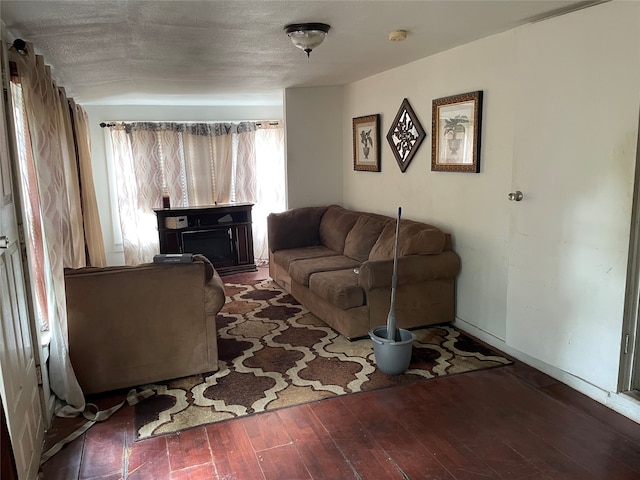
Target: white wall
527,73
107,113
314,133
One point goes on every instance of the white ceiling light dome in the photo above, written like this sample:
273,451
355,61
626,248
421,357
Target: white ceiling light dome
307,36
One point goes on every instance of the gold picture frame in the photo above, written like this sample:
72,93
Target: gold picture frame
456,131
366,143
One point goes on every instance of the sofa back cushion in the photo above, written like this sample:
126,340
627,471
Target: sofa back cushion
294,228
415,239
335,225
363,237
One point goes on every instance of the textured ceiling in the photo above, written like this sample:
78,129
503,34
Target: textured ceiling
235,52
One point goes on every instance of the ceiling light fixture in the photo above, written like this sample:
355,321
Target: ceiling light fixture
307,36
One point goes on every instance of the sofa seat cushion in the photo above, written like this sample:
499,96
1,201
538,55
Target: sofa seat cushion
339,287
301,270
285,257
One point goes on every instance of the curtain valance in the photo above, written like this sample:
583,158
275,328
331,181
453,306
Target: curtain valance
202,129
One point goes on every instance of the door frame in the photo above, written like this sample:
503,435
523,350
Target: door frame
629,373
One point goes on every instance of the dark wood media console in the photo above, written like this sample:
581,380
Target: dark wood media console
222,233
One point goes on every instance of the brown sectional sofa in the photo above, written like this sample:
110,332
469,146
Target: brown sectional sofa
134,325
338,263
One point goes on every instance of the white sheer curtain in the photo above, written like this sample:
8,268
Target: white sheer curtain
196,164
270,175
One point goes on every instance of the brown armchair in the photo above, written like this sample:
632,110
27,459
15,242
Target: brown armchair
134,325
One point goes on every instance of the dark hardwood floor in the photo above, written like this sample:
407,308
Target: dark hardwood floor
510,422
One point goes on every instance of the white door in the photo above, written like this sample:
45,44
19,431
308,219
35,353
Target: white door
18,380
575,136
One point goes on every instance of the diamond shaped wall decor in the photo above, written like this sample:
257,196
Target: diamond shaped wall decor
405,135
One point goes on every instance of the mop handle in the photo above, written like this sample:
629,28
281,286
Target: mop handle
394,278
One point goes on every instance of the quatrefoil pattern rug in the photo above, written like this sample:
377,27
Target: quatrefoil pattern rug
274,353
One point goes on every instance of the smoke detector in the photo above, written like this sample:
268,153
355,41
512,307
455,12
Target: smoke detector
398,36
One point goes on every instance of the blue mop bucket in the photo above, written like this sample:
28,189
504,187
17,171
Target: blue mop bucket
392,356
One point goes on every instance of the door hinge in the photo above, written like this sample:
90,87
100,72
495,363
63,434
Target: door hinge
22,243
21,233
626,343
39,374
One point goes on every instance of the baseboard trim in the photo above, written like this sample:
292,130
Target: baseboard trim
621,403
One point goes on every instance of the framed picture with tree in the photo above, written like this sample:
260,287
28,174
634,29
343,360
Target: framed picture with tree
456,131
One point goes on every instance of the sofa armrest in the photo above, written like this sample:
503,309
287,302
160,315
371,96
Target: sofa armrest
299,227
411,269
214,295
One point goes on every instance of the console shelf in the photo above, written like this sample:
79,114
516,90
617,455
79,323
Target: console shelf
222,233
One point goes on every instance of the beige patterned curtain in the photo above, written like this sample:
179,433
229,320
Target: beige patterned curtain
63,179
94,241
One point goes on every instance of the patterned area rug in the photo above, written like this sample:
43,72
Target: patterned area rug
274,353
